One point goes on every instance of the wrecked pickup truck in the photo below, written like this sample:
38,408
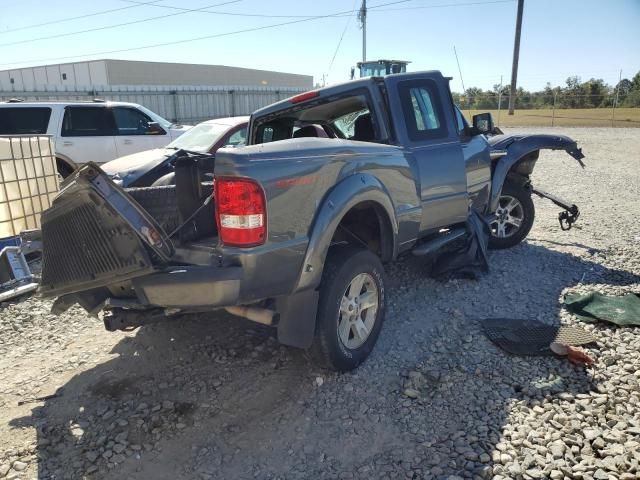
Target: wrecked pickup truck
292,230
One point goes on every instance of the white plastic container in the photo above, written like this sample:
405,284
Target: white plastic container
28,181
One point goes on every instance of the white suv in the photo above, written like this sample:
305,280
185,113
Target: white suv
96,131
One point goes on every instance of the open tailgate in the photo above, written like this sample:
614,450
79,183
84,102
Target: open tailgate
95,234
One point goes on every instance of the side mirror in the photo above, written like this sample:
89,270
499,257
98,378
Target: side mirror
483,123
154,128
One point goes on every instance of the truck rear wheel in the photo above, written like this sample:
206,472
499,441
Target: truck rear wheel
351,308
514,216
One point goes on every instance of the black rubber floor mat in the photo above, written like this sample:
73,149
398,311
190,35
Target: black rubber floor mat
531,337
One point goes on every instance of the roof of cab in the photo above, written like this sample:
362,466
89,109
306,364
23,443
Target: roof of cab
337,89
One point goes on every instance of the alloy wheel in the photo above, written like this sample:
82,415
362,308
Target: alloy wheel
358,310
509,217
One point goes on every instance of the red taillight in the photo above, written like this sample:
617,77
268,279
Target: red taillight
240,212
305,96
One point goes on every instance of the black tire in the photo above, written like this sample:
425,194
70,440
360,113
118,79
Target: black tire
344,265
64,170
522,194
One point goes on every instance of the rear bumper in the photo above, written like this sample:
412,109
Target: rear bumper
192,287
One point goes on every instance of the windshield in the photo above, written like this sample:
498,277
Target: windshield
375,70
163,122
200,138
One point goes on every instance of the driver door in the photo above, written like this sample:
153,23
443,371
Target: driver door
425,125
133,133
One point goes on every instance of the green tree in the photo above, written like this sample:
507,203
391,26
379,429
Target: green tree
572,93
595,91
624,87
632,99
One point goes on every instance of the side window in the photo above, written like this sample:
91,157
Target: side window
19,121
130,121
238,138
87,122
422,110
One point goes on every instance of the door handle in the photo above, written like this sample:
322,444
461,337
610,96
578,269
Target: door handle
67,143
127,141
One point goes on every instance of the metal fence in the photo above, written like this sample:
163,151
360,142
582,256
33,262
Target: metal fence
178,104
191,105
556,110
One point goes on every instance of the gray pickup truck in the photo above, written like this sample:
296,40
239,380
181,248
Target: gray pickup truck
293,230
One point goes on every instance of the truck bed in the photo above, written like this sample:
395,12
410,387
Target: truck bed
162,203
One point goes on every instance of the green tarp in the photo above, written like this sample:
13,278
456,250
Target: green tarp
592,307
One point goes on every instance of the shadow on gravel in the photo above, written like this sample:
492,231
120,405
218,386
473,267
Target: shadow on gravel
217,397
590,250
166,382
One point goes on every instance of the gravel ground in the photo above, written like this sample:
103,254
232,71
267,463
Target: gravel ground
214,397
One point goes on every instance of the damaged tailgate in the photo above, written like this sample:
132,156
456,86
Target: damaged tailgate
95,234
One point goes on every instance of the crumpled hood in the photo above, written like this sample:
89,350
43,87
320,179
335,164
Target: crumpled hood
130,167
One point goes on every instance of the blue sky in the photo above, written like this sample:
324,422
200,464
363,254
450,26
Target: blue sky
560,38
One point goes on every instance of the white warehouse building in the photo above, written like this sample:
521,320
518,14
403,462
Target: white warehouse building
100,73
179,92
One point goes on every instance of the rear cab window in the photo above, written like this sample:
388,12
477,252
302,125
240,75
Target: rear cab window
422,110
344,115
24,121
83,121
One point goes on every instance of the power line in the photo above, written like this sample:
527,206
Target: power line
108,27
236,14
266,15
155,3
195,39
346,25
94,14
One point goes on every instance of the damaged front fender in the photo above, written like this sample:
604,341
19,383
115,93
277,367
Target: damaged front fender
511,149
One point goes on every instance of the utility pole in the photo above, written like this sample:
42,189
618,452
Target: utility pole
516,57
499,101
362,16
615,101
